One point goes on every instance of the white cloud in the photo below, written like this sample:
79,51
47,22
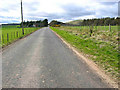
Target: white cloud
57,9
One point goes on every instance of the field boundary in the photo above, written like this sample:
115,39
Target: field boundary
90,63
6,46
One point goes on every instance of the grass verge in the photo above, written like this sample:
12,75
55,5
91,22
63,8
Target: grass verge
101,53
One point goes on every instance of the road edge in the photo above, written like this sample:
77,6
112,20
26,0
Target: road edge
90,63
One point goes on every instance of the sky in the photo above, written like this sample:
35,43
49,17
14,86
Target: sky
61,10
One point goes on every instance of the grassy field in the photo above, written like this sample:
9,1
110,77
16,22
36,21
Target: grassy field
101,46
12,33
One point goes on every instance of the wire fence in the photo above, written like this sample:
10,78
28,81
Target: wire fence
9,37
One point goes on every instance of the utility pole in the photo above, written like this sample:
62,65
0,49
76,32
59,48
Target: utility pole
22,18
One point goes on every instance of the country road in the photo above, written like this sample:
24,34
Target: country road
42,60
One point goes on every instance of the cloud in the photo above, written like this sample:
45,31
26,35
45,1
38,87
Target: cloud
4,9
73,11
108,3
63,10
30,6
70,12
4,19
107,9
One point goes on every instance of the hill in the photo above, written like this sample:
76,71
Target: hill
55,22
75,22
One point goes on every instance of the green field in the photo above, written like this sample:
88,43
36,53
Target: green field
11,33
101,46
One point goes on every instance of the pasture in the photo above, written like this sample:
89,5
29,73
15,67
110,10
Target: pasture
11,33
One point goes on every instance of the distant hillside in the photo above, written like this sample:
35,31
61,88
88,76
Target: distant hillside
97,21
54,22
75,22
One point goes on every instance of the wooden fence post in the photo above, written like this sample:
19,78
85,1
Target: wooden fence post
91,30
17,33
14,35
7,37
11,36
2,38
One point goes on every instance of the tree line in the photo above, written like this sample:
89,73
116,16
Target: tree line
38,23
101,21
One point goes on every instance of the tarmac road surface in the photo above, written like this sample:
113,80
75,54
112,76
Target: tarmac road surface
42,60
